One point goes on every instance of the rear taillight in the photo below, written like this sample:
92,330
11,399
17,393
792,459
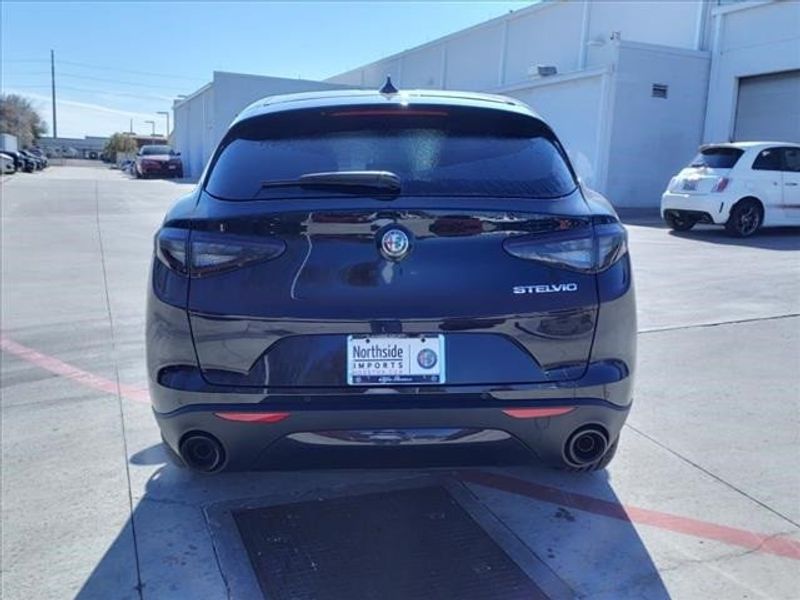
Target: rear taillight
721,184
210,254
171,248
586,249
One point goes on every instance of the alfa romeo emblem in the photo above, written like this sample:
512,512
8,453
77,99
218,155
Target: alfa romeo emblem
427,358
395,243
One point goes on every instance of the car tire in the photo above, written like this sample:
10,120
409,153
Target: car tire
678,222
745,219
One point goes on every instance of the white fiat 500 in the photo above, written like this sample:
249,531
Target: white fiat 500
741,185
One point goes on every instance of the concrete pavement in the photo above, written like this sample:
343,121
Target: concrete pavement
702,500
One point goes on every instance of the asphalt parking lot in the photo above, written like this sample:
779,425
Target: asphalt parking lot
702,500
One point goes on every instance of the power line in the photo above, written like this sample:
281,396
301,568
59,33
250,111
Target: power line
107,68
96,91
122,70
102,79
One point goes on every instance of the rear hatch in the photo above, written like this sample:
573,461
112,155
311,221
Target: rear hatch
480,253
708,172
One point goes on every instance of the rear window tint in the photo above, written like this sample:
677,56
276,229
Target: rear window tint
434,150
717,158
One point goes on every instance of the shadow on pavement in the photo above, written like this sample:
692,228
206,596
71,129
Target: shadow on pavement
770,238
593,554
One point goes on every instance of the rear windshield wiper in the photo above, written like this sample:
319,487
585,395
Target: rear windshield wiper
373,180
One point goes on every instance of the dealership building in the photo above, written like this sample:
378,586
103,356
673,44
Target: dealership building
631,88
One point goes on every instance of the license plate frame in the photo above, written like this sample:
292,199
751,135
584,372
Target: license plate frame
403,356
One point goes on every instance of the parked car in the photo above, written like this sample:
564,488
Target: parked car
38,164
743,186
22,161
158,160
39,155
7,164
380,269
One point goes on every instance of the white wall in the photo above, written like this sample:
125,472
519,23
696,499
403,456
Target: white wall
202,119
573,106
235,91
531,40
500,52
749,39
193,129
652,138
647,21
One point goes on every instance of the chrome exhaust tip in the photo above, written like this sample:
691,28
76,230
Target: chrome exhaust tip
202,452
586,446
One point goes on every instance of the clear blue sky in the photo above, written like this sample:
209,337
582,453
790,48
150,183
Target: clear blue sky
121,60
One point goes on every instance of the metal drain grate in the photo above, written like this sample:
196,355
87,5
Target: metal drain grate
413,543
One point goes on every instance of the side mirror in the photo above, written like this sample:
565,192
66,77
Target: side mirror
177,153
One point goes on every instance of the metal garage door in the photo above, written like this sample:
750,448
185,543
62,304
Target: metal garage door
769,107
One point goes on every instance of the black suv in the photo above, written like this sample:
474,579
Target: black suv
368,271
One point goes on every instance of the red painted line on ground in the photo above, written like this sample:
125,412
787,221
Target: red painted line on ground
769,544
58,367
760,542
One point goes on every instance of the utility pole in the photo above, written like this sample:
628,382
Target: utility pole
131,128
53,86
153,124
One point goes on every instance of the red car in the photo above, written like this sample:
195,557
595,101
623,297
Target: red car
159,161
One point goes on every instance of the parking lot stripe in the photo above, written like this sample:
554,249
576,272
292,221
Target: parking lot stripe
58,367
779,545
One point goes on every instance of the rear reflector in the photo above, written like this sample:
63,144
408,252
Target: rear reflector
253,417
537,413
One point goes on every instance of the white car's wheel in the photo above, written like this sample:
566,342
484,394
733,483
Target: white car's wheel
678,222
745,218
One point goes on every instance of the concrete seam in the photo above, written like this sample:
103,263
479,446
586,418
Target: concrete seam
139,585
717,324
712,475
468,489
216,556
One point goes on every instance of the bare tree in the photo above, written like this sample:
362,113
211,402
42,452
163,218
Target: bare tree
18,117
120,143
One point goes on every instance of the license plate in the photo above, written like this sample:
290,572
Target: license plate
389,360
173,167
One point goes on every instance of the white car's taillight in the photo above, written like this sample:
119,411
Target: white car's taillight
721,184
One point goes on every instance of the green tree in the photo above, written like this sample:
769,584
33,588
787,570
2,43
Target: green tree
18,117
119,143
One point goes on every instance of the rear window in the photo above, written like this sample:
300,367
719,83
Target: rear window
717,158
433,150
155,149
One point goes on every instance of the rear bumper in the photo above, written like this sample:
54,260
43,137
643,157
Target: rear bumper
162,170
377,437
705,208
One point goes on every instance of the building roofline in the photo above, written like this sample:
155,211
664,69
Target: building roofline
508,17
178,101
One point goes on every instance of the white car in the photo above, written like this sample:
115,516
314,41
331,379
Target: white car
741,185
7,164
